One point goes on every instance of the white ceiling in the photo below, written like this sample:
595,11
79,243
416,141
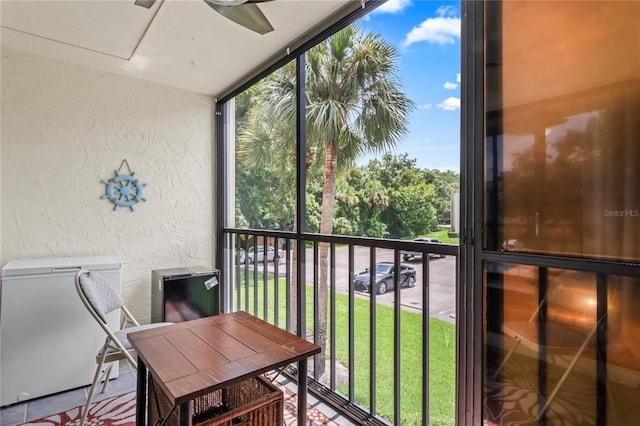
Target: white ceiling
177,43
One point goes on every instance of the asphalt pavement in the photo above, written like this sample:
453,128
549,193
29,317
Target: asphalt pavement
441,283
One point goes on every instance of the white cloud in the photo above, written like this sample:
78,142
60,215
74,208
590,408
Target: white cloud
393,6
446,11
443,29
425,106
450,104
451,85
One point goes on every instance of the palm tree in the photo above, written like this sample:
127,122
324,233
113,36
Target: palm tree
354,106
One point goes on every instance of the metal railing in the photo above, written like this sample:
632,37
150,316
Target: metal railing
259,277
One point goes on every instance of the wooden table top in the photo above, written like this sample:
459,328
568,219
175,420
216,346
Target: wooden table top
192,358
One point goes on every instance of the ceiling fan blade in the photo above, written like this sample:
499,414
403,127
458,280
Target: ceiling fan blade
144,3
248,15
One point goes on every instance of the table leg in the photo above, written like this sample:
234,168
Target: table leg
185,414
141,395
302,392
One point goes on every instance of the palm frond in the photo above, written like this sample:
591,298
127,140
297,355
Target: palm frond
354,103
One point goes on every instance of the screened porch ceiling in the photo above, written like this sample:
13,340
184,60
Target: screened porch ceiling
177,43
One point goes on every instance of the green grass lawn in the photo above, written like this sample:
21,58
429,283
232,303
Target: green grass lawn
441,354
443,237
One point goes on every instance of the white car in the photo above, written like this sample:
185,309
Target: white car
408,256
250,256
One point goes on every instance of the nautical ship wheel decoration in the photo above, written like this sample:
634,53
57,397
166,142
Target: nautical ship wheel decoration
124,190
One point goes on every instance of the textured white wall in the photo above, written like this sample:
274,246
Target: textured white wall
65,128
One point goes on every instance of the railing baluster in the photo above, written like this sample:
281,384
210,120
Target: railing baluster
287,286
396,338
301,289
543,285
425,339
224,299
316,307
352,360
332,302
236,264
372,330
276,285
265,287
602,320
246,273
255,277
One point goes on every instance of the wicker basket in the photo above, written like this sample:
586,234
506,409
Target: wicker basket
253,402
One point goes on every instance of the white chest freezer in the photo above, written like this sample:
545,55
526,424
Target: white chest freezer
48,339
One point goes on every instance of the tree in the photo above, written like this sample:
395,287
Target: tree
445,183
346,217
267,141
396,170
376,198
354,105
414,206
408,210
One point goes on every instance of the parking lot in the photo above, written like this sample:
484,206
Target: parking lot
441,281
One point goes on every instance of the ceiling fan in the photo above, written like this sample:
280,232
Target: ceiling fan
242,12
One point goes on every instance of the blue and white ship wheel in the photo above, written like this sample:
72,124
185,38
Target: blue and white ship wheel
124,190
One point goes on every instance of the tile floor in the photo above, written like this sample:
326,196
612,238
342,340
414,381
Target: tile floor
19,413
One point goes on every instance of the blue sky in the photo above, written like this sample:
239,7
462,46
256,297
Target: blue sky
427,36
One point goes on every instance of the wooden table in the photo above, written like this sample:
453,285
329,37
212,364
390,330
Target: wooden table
193,358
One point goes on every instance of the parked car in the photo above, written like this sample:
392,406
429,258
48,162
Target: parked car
250,256
384,274
408,255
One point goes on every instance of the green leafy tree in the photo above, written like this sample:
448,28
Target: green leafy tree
376,198
346,217
396,170
266,140
264,195
414,206
445,183
400,176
